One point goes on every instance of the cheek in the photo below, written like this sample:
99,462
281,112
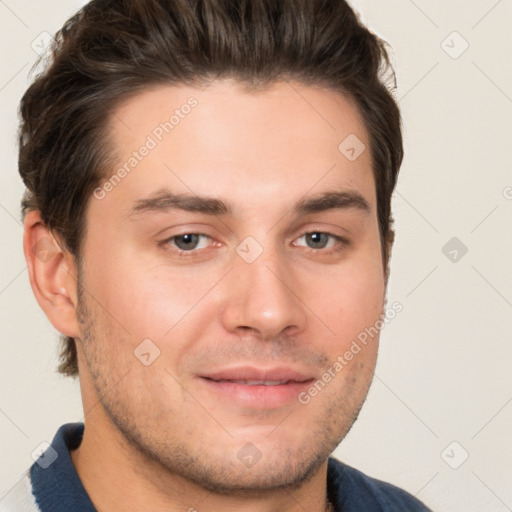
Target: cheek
151,300
351,298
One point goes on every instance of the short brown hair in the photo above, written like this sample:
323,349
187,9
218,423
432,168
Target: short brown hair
112,49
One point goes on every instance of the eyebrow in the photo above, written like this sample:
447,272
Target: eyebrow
165,200
331,201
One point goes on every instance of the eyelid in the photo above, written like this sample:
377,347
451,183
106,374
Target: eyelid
167,242
329,228
331,235
340,242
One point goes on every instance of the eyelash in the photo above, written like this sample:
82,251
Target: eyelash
341,244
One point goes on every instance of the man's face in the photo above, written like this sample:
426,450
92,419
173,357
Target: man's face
244,306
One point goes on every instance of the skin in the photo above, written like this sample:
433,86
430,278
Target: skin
156,437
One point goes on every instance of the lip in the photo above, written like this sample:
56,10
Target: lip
226,384
282,373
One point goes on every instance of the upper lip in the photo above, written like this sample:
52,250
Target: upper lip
281,373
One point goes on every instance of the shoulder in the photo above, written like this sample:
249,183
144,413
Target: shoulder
51,484
350,489
19,498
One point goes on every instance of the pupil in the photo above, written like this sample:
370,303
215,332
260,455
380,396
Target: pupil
185,242
318,240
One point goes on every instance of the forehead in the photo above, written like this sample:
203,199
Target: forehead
224,140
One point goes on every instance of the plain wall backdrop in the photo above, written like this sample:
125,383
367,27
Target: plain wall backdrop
438,417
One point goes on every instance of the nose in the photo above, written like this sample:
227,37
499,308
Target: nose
261,298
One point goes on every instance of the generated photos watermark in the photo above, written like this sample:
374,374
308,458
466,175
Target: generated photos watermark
357,345
156,136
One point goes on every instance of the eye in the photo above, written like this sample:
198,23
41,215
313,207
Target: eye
188,242
319,240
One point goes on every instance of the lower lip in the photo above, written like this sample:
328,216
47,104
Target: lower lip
258,397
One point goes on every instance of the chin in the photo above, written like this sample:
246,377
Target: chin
259,478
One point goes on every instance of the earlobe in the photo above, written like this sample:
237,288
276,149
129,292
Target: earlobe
52,275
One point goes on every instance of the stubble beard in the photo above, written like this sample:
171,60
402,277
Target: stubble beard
161,454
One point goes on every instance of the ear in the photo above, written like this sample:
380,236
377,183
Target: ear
52,274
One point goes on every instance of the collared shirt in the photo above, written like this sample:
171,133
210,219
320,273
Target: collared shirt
52,485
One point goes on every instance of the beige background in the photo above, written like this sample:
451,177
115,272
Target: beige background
444,372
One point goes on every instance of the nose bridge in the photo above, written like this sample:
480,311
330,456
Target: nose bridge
260,295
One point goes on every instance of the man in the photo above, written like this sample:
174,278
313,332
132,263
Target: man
208,224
